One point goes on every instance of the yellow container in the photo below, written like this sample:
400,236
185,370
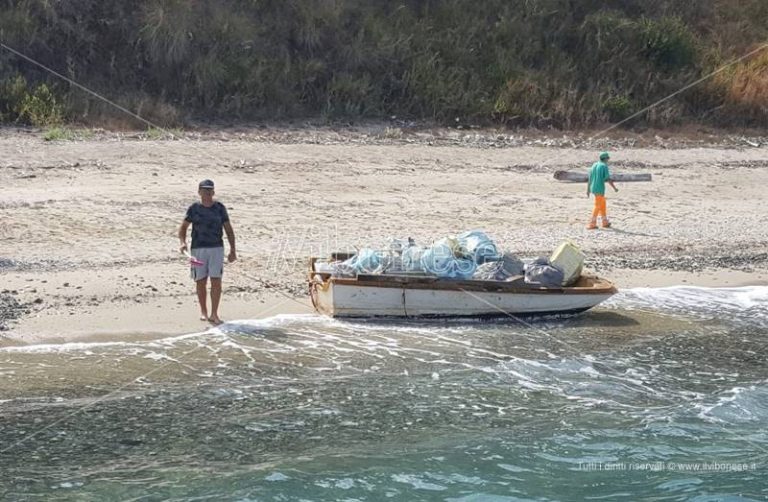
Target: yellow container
568,258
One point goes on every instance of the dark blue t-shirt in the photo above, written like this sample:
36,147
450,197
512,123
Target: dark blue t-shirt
207,224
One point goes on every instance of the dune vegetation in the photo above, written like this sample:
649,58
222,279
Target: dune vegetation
543,63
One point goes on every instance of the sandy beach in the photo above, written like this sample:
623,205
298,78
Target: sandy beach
88,244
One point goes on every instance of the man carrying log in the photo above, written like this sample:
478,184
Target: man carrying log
598,176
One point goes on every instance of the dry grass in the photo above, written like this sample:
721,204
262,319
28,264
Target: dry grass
739,95
747,85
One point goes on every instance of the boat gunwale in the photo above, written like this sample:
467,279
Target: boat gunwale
600,286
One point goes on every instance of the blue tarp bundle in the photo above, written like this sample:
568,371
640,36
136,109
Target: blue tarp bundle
412,258
453,258
440,260
366,261
478,246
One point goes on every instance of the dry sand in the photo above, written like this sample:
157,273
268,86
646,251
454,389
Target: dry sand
88,228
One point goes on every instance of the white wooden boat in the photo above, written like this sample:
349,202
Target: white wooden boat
425,296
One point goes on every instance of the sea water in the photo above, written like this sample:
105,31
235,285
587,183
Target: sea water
660,394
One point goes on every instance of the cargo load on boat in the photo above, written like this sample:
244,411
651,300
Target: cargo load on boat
462,275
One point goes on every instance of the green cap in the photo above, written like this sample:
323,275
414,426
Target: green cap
604,156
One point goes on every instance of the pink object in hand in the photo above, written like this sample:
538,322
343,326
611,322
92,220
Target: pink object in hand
194,261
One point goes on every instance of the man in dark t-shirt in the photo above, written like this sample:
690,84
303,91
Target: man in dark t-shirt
209,220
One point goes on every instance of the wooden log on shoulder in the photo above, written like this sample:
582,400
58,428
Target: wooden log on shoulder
575,177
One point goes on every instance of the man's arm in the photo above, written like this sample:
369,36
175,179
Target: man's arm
610,182
231,238
183,236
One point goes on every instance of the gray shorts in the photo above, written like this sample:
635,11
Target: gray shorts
213,263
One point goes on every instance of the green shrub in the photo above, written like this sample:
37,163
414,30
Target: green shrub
12,93
607,39
59,134
668,42
618,108
153,133
350,95
521,101
40,108
156,133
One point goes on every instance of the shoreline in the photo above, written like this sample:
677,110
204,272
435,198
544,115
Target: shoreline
88,242
169,316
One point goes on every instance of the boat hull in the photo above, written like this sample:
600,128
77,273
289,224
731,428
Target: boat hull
355,298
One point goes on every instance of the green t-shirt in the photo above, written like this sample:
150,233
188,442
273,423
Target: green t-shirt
598,175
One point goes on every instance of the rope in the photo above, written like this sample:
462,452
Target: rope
282,293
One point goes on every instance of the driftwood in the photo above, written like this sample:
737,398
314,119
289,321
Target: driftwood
584,177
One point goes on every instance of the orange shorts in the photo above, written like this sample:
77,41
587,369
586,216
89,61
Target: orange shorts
600,207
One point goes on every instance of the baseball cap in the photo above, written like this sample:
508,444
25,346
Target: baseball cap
603,156
206,184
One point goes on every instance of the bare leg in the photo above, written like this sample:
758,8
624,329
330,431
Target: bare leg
215,298
201,297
